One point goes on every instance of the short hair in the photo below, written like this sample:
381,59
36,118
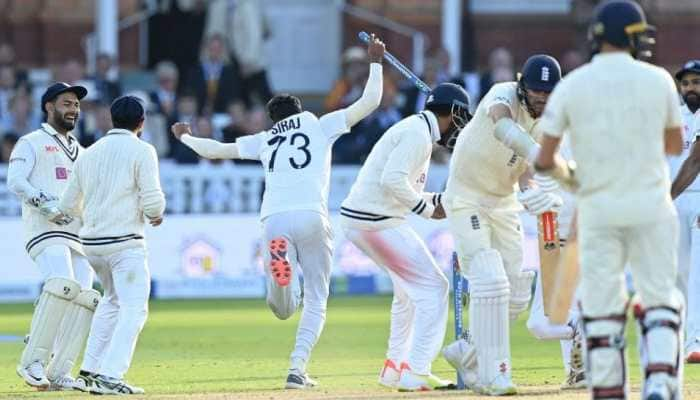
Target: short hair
127,113
282,106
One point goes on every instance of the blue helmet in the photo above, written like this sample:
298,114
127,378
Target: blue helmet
540,73
453,99
621,23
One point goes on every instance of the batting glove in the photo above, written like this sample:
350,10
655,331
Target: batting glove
536,201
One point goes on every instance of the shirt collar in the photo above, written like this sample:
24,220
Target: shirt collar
118,131
612,57
49,129
432,121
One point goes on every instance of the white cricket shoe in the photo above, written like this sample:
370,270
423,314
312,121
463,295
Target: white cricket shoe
461,355
501,384
105,385
299,381
84,381
656,390
34,375
576,380
577,374
63,383
412,382
390,374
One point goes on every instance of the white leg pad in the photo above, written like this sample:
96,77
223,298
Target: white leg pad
520,293
489,293
606,366
55,297
661,343
75,328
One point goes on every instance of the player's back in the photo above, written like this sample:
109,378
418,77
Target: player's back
296,156
481,165
617,110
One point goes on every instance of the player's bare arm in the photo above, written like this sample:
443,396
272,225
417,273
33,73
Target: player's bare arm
673,140
207,148
688,172
372,94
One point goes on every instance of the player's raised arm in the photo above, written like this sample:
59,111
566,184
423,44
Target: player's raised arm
372,94
207,148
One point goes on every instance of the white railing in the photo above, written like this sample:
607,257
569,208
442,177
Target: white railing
225,188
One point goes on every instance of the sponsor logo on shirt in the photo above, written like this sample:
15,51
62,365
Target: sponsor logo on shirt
61,173
51,149
421,178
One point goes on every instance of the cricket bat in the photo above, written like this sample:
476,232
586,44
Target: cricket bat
565,284
548,237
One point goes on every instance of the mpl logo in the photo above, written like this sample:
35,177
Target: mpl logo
421,178
200,258
51,149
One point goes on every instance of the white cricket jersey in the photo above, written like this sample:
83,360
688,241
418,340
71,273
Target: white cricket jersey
115,187
296,156
616,110
42,160
390,183
691,131
483,167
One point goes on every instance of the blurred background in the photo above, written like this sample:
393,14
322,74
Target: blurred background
216,63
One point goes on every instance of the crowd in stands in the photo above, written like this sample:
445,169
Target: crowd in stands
223,95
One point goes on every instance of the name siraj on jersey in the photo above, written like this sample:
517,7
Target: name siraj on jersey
286,125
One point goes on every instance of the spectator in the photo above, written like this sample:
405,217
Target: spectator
22,117
245,29
442,57
155,129
71,72
105,80
214,80
101,123
500,69
414,99
186,111
348,88
237,126
163,98
8,84
571,60
7,57
8,143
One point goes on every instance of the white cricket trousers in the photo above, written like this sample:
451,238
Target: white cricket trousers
421,291
688,206
650,250
121,314
59,261
310,246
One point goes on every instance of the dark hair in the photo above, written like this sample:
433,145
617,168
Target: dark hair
127,113
282,106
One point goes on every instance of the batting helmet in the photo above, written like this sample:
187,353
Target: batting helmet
453,99
540,73
621,23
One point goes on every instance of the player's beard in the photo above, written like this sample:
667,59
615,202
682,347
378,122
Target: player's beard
538,108
62,121
692,99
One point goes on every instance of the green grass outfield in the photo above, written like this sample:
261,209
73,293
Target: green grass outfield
236,349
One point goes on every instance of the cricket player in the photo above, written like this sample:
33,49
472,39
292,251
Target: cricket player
296,155
390,186
685,190
488,166
115,188
623,118
40,166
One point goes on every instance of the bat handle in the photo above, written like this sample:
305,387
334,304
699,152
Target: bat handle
364,36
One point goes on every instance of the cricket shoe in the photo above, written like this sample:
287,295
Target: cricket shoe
501,384
65,382
692,352
299,381
412,382
575,381
657,388
577,373
461,355
390,374
280,268
84,381
102,384
34,375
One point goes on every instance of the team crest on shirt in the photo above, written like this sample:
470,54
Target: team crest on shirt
61,173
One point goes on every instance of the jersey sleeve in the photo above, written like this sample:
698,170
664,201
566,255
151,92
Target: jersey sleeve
334,124
674,118
554,119
250,147
22,160
501,94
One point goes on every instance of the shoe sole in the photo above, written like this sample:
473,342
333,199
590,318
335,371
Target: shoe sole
279,265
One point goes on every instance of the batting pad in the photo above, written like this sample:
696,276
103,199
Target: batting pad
53,302
488,316
520,293
74,330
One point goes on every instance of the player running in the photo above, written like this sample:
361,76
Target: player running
686,192
296,155
40,165
625,212
480,201
390,186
